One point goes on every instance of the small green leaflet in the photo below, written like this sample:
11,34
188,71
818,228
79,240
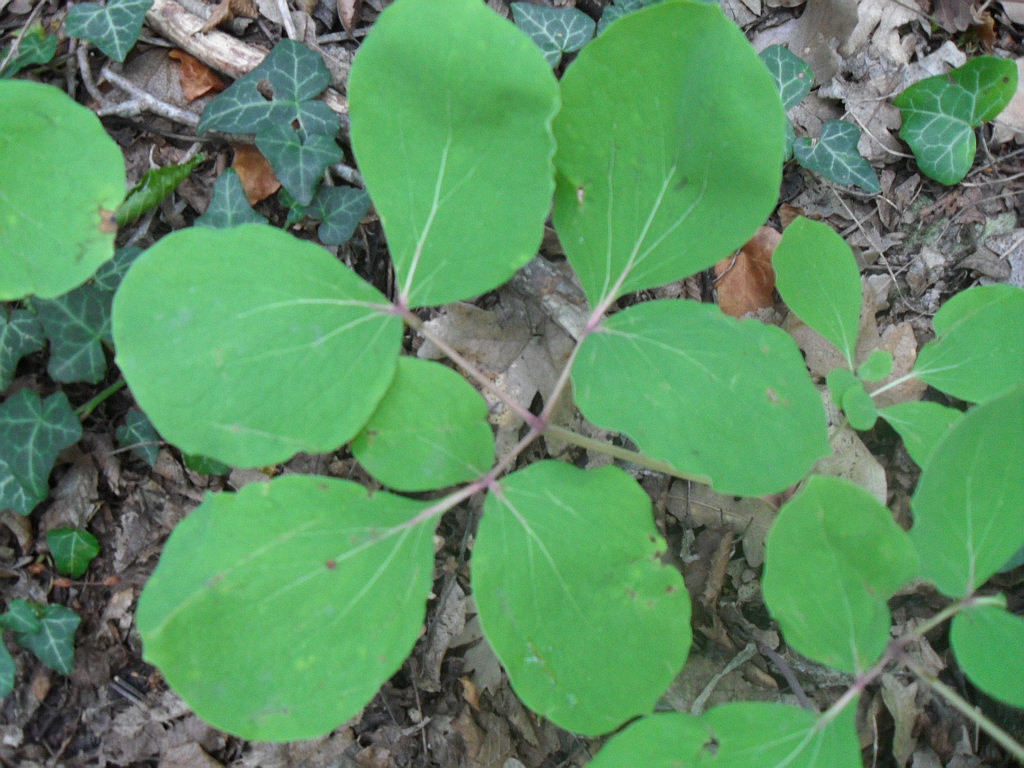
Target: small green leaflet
77,325
155,185
989,646
555,30
20,335
72,549
113,29
339,209
429,431
35,432
204,465
848,391
940,114
310,593
922,425
969,503
817,276
21,616
54,643
36,47
876,367
7,671
299,155
833,558
834,155
229,207
979,337
573,596
792,74
138,433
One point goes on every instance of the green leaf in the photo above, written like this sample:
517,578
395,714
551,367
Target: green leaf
54,643
573,596
876,367
155,185
969,504
456,156
849,393
554,30
792,74
833,558
77,324
61,177
113,29
109,276
138,433
229,207
20,335
979,336
309,592
294,132
225,337
940,114
21,616
36,47
835,156
72,549
665,740
661,171
922,425
817,276
340,209
205,466
708,394
8,671
989,646
429,431
35,432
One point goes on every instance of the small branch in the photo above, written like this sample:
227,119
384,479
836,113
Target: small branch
286,19
143,102
787,673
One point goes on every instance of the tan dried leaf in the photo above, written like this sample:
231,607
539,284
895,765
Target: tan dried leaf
746,282
254,171
197,79
226,10
348,14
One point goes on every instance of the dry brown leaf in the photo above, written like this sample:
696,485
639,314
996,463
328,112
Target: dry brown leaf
348,14
1010,122
197,79
226,10
254,171
746,282
952,15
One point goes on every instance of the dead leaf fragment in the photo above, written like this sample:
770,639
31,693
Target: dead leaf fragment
254,171
226,10
197,79
746,282
348,14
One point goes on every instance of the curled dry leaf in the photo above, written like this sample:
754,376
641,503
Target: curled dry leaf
197,79
746,281
226,10
348,14
257,177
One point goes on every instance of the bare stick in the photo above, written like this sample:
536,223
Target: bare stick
142,101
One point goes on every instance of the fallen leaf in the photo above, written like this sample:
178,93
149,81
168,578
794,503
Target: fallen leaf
1010,122
197,79
254,171
952,15
348,14
226,10
746,281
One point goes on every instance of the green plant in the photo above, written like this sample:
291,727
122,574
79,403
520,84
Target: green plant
48,631
277,612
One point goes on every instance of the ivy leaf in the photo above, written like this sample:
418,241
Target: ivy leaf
310,593
922,425
72,549
154,186
969,503
21,616
834,155
940,114
746,386
138,432
981,638
109,276
792,74
224,336
340,209
8,671
651,195
113,29
20,335
229,207
976,352
574,598
36,47
35,432
54,643
77,324
431,135
429,431
554,30
299,158
834,556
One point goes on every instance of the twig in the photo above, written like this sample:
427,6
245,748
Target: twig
85,71
286,19
787,673
143,102
701,701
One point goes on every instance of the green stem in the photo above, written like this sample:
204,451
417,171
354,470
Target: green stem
83,411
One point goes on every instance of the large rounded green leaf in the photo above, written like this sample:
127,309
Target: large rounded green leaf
714,397
670,146
278,612
456,154
989,645
969,504
61,177
590,625
248,345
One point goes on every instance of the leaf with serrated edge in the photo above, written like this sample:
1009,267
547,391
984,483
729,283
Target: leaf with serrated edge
651,182
35,432
229,206
940,114
310,593
714,397
792,74
969,504
20,334
138,434
833,558
817,276
456,156
54,643
72,549
554,30
989,646
77,324
113,29
979,336
922,425
572,594
225,335
835,156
